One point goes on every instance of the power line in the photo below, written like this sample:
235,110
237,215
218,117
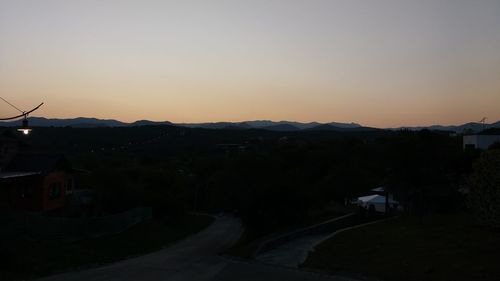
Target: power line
23,114
12,105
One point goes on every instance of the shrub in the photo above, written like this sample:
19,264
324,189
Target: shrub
484,182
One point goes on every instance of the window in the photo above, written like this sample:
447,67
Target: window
55,191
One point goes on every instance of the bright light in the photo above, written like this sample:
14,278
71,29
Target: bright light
24,131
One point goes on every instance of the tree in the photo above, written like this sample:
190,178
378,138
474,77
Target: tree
484,182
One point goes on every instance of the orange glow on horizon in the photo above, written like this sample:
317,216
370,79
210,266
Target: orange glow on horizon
384,64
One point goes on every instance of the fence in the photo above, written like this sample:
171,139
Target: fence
39,227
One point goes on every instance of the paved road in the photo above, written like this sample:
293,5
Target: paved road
194,259
243,271
294,253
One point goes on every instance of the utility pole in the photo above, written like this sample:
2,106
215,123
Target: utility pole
483,121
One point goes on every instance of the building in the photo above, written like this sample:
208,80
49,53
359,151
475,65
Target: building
480,141
33,181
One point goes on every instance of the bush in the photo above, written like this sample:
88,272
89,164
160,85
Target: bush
484,182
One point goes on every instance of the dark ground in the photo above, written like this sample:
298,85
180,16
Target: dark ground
446,247
29,258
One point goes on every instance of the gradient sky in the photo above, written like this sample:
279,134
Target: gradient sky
379,63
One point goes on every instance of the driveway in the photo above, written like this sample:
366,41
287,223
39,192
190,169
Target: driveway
194,259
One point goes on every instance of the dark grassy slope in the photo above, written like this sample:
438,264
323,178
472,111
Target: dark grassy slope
23,258
442,248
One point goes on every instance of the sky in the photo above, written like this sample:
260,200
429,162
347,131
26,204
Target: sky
381,63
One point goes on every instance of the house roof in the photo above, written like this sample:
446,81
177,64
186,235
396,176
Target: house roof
9,175
379,189
37,162
375,199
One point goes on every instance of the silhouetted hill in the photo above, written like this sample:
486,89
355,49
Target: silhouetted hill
73,122
81,122
278,126
328,127
214,125
149,123
237,126
281,128
267,124
344,125
299,125
473,127
82,125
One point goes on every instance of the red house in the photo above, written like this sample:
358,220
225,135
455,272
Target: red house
33,181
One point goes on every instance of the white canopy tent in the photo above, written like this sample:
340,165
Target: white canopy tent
378,201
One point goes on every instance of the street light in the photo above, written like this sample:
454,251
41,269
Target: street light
25,129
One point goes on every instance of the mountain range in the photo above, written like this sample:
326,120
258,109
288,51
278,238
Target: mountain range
82,122
268,125
467,127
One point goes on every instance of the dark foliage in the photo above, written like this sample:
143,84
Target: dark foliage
271,179
484,182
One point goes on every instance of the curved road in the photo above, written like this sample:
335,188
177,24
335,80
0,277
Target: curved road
294,253
194,259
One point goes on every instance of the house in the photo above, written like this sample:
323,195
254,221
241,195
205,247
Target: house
33,181
480,141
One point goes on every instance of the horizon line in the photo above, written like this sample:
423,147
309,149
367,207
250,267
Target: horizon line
254,120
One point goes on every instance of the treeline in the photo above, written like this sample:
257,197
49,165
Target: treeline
270,179
293,181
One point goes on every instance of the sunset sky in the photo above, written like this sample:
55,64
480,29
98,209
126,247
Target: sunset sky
380,63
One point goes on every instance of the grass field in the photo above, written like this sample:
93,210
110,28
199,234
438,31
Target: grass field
24,259
442,248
